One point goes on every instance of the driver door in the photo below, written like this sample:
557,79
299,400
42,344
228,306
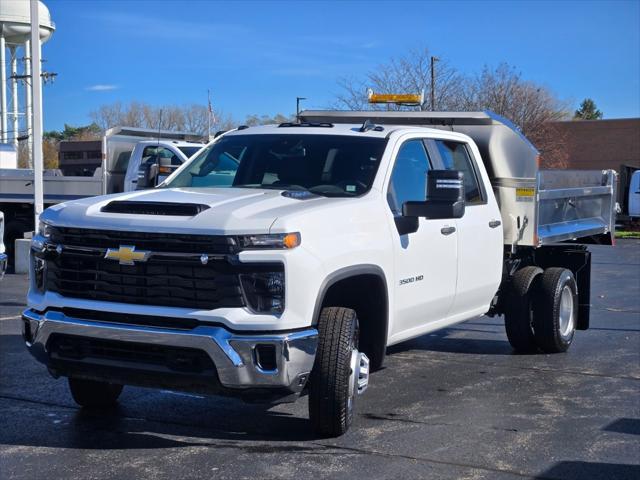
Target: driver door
426,260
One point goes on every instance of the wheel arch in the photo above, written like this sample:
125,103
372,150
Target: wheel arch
362,288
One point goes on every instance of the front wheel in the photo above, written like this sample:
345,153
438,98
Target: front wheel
555,313
339,374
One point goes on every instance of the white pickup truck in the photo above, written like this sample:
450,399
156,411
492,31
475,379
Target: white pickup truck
338,236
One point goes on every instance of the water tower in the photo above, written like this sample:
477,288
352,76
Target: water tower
15,34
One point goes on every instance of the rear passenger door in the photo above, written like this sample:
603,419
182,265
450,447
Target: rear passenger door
479,231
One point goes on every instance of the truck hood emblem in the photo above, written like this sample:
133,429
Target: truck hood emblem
127,255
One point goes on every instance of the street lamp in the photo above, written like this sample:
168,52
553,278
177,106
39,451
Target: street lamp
433,83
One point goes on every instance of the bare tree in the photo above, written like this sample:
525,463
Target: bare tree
530,106
410,73
192,118
253,120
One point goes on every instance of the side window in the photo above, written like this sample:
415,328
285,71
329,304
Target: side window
409,176
152,152
455,156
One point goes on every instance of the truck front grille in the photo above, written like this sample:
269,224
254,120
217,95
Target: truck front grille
171,279
162,282
154,241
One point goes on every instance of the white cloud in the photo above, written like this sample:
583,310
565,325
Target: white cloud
101,88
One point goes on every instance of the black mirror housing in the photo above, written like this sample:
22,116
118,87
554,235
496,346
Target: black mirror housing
433,210
445,197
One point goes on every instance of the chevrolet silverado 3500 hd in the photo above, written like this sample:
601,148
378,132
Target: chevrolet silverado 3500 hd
338,236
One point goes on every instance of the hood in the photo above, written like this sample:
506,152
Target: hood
227,211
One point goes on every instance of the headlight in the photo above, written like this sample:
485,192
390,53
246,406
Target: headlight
270,241
44,229
39,272
264,291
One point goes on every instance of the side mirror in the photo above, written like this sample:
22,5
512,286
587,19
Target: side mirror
445,197
147,173
165,168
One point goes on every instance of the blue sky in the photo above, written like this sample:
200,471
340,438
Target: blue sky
256,57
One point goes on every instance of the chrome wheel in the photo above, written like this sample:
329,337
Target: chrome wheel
567,312
359,376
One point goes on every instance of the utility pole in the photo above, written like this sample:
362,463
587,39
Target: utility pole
298,107
3,92
28,94
209,113
433,83
36,81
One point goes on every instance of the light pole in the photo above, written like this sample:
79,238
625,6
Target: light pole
36,81
433,83
298,107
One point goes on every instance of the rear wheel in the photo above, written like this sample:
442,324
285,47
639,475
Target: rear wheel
339,373
556,310
519,309
91,393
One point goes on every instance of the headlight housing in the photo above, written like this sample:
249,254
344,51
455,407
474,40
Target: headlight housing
270,241
39,272
264,291
44,229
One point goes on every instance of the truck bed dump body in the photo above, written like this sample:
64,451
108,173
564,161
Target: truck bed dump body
538,207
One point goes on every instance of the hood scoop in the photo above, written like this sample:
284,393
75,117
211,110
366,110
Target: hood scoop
154,208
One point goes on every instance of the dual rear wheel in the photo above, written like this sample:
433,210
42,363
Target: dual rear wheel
541,309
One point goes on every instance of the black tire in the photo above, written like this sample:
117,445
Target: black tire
330,402
518,317
94,394
375,351
552,335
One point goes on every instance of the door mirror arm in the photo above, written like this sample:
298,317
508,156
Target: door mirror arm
406,225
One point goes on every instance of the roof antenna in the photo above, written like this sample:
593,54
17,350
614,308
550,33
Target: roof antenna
159,126
367,125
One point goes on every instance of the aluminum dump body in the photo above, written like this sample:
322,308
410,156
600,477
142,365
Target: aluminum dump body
538,207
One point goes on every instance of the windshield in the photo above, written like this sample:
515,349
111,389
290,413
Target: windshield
188,151
329,165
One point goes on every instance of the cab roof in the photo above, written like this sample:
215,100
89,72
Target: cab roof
325,128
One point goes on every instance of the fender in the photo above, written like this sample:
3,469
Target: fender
346,272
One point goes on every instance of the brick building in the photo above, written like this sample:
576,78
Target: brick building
601,144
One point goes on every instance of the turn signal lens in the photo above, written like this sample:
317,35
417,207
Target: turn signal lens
291,240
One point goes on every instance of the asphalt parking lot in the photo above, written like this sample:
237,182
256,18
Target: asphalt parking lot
454,404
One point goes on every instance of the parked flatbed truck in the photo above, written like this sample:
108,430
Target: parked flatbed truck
338,236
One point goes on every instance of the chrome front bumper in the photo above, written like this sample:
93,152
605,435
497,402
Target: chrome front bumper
233,354
3,263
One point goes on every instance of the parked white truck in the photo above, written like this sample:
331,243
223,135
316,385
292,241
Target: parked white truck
338,236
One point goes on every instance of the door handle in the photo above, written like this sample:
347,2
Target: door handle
447,230
494,223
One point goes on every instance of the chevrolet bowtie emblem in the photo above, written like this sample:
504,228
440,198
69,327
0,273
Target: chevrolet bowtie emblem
127,255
